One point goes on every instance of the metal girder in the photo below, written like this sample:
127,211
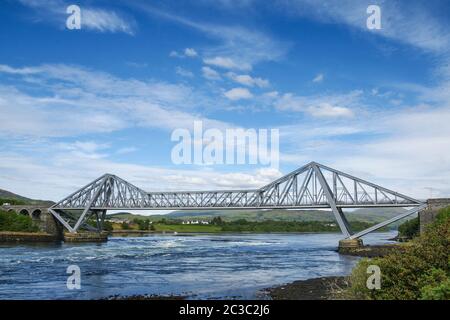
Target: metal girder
387,222
338,214
313,186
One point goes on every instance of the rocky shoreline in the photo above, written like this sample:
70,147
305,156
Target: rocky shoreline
371,251
310,289
327,288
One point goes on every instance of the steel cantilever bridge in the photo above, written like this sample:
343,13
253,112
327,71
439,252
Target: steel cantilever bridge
313,186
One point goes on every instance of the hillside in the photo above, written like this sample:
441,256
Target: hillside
373,215
7,196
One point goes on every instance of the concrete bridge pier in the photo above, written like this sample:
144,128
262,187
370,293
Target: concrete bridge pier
348,245
86,237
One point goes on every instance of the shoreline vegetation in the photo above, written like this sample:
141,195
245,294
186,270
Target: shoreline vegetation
420,271
217,225
416,270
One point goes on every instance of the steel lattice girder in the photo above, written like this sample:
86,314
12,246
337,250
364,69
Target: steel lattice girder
312,186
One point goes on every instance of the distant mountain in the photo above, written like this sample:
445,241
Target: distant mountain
7,195
373,215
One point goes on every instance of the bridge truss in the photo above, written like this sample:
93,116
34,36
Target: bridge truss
313,186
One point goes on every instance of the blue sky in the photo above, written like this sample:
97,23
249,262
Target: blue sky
78,103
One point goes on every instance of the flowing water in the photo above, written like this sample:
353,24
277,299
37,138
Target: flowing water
200,266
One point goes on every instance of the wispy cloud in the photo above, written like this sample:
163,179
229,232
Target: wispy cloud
190,52
319,78
227,63
240,48
331,105
408,22
104,103
210,73
183,72
238,94
248,80
92,18
187,52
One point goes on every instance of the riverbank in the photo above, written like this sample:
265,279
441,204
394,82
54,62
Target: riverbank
372,251
15,237
327,288
146,297
311,289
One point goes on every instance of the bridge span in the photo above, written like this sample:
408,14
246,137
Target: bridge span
313,186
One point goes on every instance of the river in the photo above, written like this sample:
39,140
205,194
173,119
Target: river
200,266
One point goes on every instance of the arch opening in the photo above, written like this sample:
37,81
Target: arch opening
36,214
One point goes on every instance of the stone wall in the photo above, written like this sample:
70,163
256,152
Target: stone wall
43,219
86,237
6,236
429,214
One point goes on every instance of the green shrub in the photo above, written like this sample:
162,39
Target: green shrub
436,287
11,221
107,226
420,271
143,224
410,228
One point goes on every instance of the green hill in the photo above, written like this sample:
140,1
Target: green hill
372,215
10,197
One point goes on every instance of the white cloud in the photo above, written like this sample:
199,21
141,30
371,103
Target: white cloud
104,103
321,106
210,73
55,177
238,94
328,110
271,94
190,52
245,47
389,149
248,80
104,21
226,63
318,78
183,72
175,54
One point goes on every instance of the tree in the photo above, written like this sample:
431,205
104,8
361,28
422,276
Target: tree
107,226
217,221
409,229
11,221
